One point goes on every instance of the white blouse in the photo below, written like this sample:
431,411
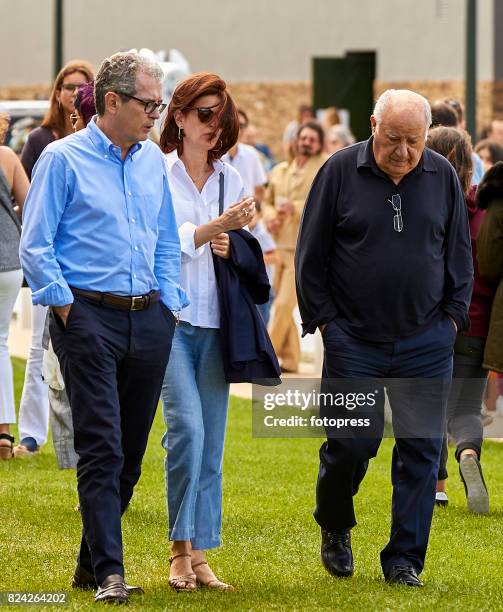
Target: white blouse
193,209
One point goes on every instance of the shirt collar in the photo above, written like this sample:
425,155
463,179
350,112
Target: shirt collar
172,159
366,159
104,144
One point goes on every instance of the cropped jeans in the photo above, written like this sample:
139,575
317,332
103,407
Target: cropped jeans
195,400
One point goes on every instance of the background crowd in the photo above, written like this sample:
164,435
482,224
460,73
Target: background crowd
279,189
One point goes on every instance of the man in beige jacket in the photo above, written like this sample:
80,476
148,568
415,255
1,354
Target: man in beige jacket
289,185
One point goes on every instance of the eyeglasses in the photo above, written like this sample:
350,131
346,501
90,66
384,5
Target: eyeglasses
204,113
74,118
396,202
70,86
149,106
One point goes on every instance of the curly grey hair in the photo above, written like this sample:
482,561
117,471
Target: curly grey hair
390,94
118,73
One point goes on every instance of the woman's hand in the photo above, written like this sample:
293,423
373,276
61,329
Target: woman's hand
234,218
237,215
221,245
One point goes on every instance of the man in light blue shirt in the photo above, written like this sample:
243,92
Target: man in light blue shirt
100,246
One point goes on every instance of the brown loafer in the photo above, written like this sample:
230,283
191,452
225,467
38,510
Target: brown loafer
112,590
82,579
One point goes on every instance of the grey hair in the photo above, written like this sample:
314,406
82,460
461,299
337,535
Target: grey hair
342,133
389,95
118,73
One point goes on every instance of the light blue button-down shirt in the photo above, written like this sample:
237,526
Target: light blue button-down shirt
95,222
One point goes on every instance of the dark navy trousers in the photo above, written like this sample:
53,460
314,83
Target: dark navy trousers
113,363
418,370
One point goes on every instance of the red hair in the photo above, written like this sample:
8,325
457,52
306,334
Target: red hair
185,96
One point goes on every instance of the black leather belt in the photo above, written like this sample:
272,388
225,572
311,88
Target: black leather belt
123,302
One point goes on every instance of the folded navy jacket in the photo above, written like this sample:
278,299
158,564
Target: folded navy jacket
248,354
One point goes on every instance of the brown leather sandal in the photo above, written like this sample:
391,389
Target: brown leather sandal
213,583
187,582
7,450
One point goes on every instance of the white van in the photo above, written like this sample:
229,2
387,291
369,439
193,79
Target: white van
25,115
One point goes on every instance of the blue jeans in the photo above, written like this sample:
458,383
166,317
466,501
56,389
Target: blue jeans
195,399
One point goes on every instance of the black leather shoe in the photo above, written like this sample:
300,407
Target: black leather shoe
82,579
401,574
113,590
336,553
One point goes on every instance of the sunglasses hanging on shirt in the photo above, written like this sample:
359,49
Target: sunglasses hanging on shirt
396,202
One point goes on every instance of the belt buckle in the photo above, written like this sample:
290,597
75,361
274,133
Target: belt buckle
134,302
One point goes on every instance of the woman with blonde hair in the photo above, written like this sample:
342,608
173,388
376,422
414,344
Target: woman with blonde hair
34,408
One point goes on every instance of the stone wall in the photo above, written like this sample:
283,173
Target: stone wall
270,106
25,92
489,97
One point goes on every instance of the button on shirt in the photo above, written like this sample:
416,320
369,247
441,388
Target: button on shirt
96,222
192,209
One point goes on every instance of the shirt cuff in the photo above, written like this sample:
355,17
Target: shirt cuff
186,233
459,316
175,300
55,294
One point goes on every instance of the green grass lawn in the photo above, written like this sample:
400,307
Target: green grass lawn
271,542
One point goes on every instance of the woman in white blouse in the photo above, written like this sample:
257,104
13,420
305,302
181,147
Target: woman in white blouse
201,125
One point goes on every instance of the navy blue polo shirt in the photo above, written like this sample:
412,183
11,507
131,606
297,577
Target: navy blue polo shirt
352,266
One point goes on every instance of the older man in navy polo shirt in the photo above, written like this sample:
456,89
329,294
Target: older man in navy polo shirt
384,270
100,246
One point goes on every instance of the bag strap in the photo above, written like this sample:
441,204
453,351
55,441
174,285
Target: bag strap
5,201
220,193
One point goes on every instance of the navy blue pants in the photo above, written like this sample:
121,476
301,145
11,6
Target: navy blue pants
418,406
113,363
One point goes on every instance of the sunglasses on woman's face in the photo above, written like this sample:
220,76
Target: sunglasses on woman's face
204,113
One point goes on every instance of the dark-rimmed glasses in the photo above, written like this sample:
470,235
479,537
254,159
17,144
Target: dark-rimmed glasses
396,202
149,106
204,113
70,86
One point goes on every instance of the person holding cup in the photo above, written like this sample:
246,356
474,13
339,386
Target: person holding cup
289,185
